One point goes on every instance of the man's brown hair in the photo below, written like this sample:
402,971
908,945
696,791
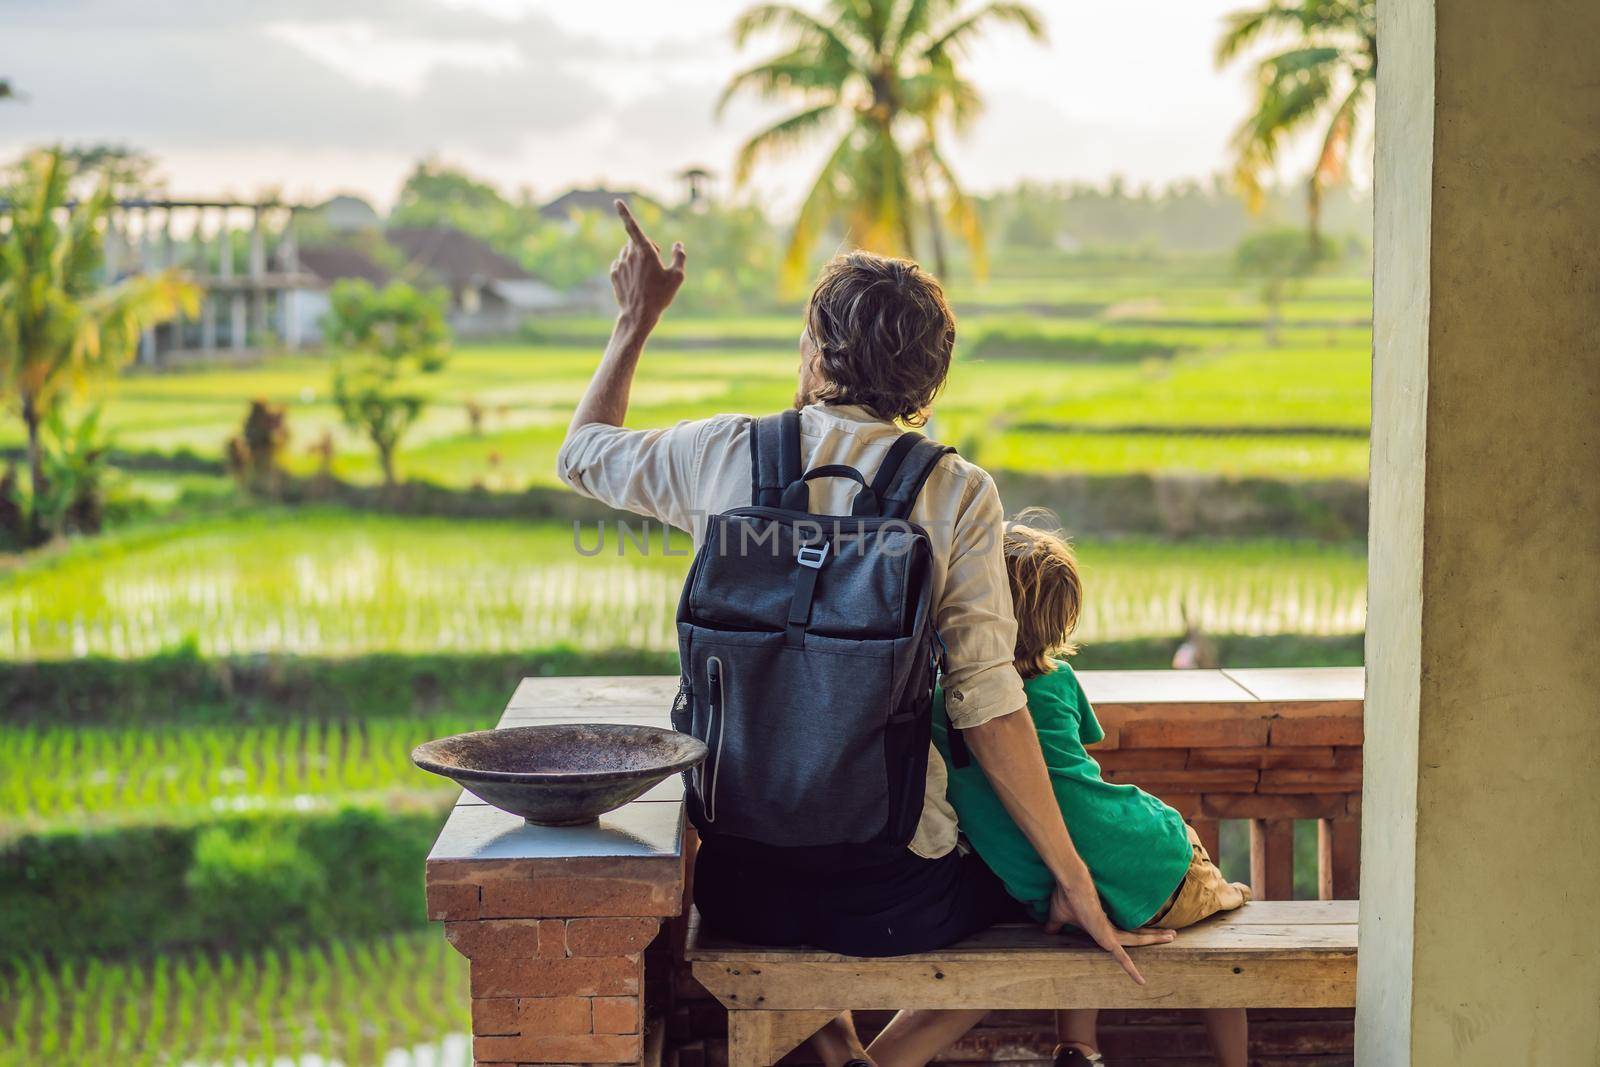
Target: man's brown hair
884,335
1046,593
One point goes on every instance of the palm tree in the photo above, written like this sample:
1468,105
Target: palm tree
881,76
1325,77
61,321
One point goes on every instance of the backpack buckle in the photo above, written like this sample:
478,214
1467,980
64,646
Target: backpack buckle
812,555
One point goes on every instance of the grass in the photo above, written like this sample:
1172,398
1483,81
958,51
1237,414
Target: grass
1222,374
52,775
326,582
401,999
1234,455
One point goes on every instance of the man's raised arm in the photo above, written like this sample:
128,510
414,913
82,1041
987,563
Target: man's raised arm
644,287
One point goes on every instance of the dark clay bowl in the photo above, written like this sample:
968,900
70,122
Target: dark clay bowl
560,775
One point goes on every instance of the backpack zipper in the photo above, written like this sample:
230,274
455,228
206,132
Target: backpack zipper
714,722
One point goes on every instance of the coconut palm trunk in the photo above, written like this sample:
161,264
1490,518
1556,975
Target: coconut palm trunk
31,418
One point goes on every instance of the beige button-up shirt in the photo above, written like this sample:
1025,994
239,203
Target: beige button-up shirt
683,473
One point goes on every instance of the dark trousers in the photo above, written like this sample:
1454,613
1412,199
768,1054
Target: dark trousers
908,904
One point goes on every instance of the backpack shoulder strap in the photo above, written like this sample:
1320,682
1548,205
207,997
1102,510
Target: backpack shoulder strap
774,456
917,456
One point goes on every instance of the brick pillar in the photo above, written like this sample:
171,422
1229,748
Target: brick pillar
557,944
555,990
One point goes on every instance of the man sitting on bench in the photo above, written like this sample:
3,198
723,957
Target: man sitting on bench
876,348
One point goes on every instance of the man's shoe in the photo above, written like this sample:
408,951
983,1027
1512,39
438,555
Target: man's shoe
1073,1056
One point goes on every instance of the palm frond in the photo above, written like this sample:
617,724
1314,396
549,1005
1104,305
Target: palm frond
1291,63
953,38
867,21
798,72
886,225
852,23
781,136
763,18
958,209
1243,28
915,18
942,95
1278,115
820,206
1334,157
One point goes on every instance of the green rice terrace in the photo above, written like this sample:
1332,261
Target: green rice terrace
211,835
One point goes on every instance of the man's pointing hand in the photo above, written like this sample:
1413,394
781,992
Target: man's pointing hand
643,284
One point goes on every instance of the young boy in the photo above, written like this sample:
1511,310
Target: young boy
1148,865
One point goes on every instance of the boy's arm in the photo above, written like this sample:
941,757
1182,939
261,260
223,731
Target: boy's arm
1007,748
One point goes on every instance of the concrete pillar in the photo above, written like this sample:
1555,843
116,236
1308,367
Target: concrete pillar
289,295
149,350
113,244
258,272
238,328
208,298
1481,846
171,258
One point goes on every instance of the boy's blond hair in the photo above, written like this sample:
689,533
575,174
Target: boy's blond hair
1046,593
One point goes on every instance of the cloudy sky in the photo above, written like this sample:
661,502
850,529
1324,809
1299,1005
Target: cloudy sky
318,96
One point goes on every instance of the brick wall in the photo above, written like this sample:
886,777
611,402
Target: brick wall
557,963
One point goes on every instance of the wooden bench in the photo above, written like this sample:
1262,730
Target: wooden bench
1270,954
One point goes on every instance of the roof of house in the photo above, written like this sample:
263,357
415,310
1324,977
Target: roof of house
347,214
597,199
452,256
333,263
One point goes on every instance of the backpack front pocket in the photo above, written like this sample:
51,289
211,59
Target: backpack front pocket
798,737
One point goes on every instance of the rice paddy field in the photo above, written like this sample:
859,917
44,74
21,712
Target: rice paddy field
327,583
1143,369
93,775
386,1002
1178,380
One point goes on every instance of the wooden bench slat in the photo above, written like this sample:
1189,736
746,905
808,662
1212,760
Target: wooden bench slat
1069,980
1282,942
1319,925
1281,954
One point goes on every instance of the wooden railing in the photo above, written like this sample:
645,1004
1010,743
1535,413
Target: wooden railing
1268,746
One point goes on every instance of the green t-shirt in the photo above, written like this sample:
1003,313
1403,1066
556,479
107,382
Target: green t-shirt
1135,846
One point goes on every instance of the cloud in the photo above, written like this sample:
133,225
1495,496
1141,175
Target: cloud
220,74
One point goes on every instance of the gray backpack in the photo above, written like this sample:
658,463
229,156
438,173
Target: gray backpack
809,657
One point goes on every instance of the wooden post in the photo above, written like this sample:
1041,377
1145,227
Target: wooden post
1272,859
1210,833
1338,859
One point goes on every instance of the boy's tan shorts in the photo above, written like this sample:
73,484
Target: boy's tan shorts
1202,893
